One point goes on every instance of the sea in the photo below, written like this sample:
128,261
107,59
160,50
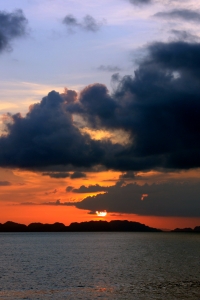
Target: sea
100,265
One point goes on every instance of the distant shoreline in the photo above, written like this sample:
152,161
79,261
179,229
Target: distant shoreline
91,226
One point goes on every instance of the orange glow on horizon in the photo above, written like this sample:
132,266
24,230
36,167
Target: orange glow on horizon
27,197
26,214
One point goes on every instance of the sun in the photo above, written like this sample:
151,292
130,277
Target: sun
101,213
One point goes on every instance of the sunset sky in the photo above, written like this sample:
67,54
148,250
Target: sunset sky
100,110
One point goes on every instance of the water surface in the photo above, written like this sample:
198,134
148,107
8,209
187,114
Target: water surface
99,266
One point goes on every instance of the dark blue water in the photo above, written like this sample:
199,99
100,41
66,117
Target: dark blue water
99,266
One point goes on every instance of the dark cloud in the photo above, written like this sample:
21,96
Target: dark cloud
53,192
139,2
109,68
77,175
88,23
47,136
69,96
158,107
116,77
164,199
12,25
67,169
175,56
51,203
95,104
116,215
70,20
90,189
5,183
185,14
183,35
92,213
128,175
57,174
58,203
69,188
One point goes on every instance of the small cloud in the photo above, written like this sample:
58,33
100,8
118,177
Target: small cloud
88,23
57,174
184,14
49,193
5,183
140,2
90,189
92,212
183,35
69,96
119,183
108,68
69,188
53,203
58,203
115,80
70,20
12,25
127,175
77,175
115,77
116,215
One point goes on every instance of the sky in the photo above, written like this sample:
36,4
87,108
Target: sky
99,111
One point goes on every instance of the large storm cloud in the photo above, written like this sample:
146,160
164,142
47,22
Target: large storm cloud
12,25
158,108
47,136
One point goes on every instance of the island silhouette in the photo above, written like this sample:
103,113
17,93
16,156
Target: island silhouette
90,226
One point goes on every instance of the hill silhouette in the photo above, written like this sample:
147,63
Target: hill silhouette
91,226
196,229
